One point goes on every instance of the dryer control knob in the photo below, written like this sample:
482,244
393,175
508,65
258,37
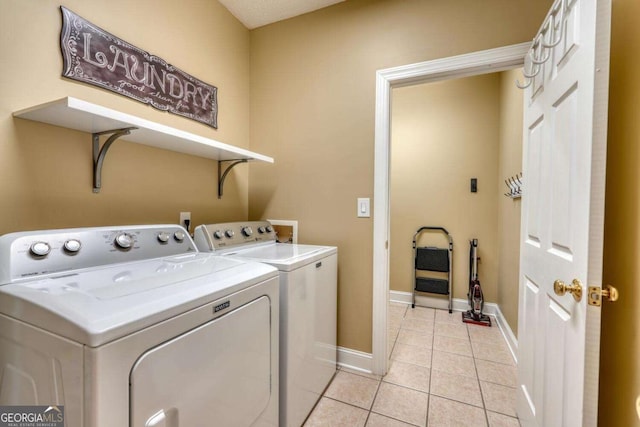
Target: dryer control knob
179,236
163,237
247,231
218,234
269,229
124,241
72,245
229,233
261,230
40,249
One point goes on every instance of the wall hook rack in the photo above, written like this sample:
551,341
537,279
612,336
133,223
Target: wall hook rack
100,153
514,184
548,37
223,175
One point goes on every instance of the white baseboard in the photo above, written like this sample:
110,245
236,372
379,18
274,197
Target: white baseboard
490,308
355,360
508,334
426,301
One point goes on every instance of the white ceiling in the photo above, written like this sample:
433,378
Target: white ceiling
256,13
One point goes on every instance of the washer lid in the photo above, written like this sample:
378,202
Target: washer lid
95,306
285,256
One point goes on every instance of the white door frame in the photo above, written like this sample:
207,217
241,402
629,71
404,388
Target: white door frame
482,62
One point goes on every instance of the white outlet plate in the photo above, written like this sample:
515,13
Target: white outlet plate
185,216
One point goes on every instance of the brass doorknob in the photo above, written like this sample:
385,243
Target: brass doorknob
610,293
575,288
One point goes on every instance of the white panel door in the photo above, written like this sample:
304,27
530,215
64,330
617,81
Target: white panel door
563,215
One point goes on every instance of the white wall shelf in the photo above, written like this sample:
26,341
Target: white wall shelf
84,116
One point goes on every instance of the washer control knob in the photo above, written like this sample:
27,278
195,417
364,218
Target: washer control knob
269,229
72,245
229,233
179,236
124,241
218,234
261,230
163,237
247,231
40,249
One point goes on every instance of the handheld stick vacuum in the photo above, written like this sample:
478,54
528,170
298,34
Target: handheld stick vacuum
476,300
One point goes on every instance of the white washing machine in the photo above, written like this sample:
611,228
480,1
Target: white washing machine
308,313
131,326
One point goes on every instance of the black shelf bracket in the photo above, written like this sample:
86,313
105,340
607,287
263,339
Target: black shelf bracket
100,153
223,175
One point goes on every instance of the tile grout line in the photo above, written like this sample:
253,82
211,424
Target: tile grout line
433,339
398,385
395,341
430,363
345,403
490,344
373,401
475,366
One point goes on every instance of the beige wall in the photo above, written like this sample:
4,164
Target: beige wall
620,345
45,171
510,163
312,108
442,135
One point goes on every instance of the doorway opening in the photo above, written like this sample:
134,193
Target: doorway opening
477,63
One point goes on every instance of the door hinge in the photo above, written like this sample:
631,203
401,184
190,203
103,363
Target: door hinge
596,294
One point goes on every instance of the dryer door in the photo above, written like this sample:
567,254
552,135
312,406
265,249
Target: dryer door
216,374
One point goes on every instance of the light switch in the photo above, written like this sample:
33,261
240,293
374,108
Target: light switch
364,210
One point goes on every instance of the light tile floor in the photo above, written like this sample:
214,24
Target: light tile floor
442,373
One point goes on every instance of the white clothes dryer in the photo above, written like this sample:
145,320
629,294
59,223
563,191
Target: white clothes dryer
132,326
308,307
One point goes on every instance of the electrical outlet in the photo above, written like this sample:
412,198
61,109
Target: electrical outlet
185,216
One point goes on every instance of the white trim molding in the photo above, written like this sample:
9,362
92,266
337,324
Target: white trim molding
486,61
507,332
355,360
427,301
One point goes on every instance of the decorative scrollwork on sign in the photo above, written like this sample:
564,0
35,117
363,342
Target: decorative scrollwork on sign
92,55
